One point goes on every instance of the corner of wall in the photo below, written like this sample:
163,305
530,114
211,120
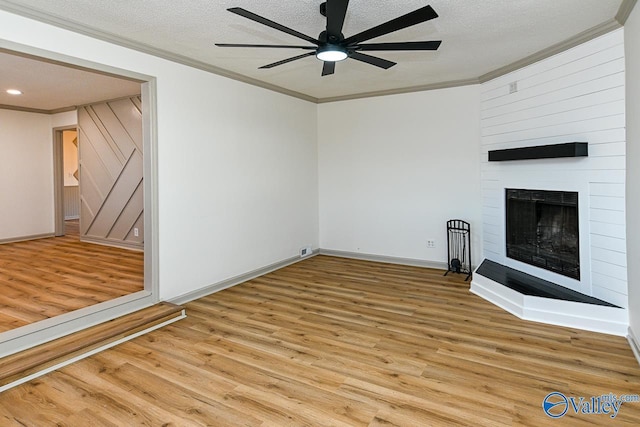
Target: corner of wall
632,196
634,344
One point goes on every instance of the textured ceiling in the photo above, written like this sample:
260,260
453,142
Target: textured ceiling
478,37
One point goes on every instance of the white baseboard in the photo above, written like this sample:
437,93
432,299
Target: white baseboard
25,238
217,287
113,243
386,259
590,317
634,343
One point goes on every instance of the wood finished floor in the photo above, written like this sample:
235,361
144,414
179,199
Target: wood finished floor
43,278
338,342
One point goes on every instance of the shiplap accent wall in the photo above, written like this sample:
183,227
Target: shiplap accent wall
577,95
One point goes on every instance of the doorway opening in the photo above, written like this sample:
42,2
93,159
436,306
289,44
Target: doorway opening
66,181
84,75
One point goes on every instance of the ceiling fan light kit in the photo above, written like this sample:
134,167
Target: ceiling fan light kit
331,45
331,53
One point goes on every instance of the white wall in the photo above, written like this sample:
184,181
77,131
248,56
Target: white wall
632,57
577,95
26,175
66,119
238,179
237,164
26,172
394,169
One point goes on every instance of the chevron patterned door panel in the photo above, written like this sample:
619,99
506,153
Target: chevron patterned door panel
111,173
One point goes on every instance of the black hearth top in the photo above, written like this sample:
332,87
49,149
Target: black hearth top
530,285
553,151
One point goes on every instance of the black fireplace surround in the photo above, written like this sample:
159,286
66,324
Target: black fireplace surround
542,229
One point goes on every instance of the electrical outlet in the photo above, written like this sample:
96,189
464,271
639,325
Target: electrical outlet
513,87
431,243
136,232
306,251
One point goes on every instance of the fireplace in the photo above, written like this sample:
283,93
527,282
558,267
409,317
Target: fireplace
542,229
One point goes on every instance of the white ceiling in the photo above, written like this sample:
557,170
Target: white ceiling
478,37
51,87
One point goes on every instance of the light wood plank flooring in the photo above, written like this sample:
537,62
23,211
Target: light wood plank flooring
44,278
338,342
35,360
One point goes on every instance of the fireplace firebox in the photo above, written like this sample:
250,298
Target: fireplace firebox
542,229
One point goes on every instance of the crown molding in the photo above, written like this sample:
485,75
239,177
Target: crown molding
36,110
623,13
625,10
574,41
421,88
76,27
23,109
105,101
61,109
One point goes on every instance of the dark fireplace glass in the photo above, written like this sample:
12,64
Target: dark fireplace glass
542,229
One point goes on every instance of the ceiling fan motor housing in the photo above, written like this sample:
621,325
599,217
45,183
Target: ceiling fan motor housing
323,37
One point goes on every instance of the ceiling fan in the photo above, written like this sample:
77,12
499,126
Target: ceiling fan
331,45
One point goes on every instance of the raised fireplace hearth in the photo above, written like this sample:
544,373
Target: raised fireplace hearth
532,298
527,284
542,229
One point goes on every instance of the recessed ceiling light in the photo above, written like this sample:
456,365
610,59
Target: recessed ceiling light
14,92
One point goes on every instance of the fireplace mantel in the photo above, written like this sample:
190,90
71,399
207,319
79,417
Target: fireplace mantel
553,151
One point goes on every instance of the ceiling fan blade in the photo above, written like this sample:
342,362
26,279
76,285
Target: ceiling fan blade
378,62
284,61
328,68
269,23
336,11
430,45
412,18
277,46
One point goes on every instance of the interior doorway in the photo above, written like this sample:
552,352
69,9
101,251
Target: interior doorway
66,178
47,278
71,191
110,84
